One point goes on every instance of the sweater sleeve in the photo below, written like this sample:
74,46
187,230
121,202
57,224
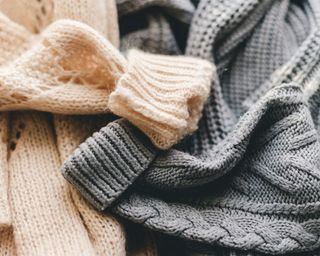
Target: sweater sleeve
107,163
162,95
104,166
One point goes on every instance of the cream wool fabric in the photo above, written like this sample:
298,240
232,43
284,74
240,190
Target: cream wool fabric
161,95
14,40
70,68
45,220
55,228
33,15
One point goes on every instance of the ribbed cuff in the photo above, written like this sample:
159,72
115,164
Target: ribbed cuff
162,95
107,163
181,10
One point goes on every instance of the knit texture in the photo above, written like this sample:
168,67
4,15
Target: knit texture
157,26
61,70
162,95
71,67
64,68
106,233
247,181
39,216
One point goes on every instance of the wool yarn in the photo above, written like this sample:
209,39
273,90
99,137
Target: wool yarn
162,95
156,26
53,65
58,226
105,232
64,68
247,181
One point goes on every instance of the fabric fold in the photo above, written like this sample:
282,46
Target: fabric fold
75,72
65,72
162,95
156,26
107,163
247,181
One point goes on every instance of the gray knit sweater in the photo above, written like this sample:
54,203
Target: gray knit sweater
158,26
249,179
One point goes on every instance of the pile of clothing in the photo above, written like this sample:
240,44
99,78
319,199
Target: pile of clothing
160,127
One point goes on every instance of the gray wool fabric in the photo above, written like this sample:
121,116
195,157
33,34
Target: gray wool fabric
157,26
248,181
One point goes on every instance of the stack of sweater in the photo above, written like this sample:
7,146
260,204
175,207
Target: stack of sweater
114,143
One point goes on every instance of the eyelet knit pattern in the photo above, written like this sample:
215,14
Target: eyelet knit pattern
74,72
39,216
72,62
183,10
247,181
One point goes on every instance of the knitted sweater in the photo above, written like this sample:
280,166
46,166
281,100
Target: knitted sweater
157,26
248,180
69,67
40,215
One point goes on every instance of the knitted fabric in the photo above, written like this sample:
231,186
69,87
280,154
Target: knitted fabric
247,181
104,230
42,218
157,26
162,95
70,68
63,68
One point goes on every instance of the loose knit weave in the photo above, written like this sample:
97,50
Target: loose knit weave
247,181
63,69
157,26
73,67
43,218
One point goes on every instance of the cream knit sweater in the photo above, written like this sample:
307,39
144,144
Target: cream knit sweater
40,217
69,67
72,69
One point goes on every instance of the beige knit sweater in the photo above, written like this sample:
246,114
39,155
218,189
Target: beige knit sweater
71,67
40,214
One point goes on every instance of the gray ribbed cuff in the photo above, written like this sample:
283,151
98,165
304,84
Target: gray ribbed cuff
107,163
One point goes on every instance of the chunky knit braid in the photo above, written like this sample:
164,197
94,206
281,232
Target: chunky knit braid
248,179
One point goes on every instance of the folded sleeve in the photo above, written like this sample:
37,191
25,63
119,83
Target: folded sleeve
107,163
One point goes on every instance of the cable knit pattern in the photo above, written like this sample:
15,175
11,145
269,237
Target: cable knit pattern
247,181
279,106
241,217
